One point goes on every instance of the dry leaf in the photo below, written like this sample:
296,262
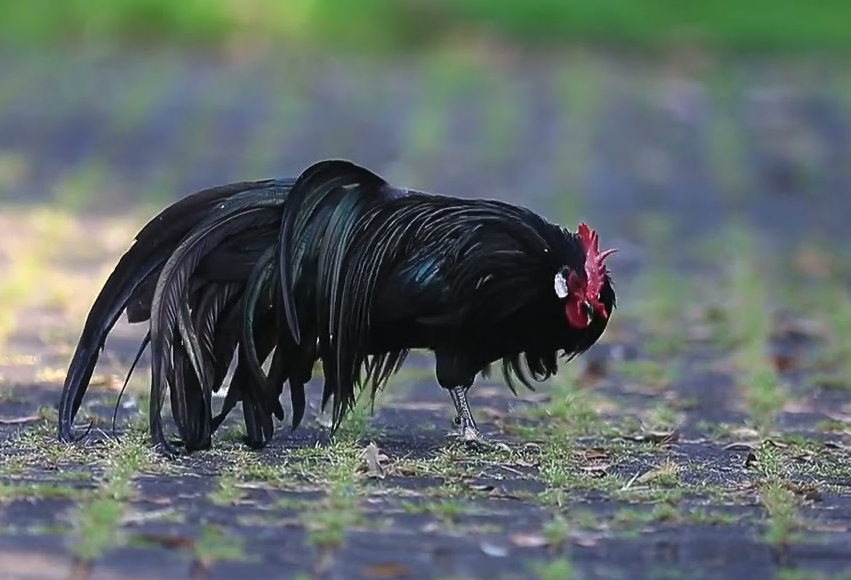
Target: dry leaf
142,517
480,486
593,371
586,541
373,457
159,500
659,437
431,527
529,541
745,434
750,459
783,362
494,550
595,453
827,527
174,542
599,469
511,470
387,570
659,470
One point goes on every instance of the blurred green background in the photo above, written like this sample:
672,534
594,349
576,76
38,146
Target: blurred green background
394,24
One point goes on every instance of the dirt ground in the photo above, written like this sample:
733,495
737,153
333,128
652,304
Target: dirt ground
708,435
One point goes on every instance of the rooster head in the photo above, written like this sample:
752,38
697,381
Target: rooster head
581,290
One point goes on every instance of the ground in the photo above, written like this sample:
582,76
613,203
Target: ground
707,435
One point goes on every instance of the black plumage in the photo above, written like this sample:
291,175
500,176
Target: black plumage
341,266
371,271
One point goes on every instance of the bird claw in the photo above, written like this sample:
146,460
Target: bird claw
473,439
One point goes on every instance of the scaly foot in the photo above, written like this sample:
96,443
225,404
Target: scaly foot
473,439
467,432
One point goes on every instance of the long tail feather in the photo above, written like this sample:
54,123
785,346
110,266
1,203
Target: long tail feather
309,190
171,291
130,287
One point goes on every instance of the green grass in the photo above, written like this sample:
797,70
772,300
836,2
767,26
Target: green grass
97,522
390,24
751,320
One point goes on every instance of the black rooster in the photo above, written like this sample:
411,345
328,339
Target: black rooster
342,267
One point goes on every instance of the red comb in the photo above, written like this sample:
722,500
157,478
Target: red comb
595,268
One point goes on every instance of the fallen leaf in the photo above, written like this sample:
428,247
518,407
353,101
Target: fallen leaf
431,527
494,550
387,570
160,500
658,471
827,527
783,362
511,470
141,517
750,459
660,437
745,433
480,486
586,541
594,370
804,457
373,457
529,541
170,541
595,453
599,469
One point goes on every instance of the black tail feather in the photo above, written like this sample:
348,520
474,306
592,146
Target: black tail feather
130,286
307,194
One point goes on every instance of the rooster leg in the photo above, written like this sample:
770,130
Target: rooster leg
468,432
456,420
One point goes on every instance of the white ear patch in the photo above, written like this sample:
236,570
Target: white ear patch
560,285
